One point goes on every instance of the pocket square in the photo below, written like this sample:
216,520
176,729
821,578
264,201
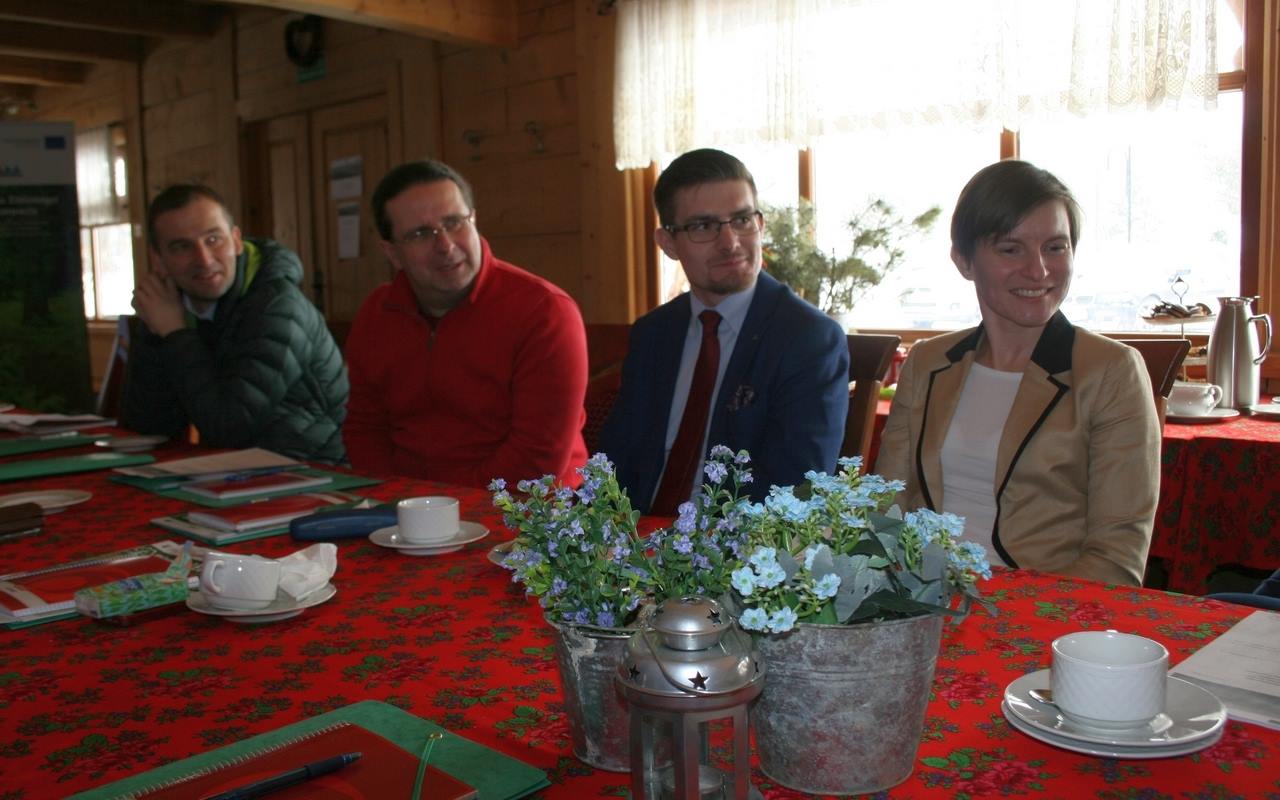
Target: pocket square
743,396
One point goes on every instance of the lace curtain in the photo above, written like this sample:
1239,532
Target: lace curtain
695,73
94,187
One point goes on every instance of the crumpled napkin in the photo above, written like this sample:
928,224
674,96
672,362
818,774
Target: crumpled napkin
303,572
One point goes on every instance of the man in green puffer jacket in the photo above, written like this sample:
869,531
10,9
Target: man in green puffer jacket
232,345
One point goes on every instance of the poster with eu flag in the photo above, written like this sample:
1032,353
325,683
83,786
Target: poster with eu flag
44,359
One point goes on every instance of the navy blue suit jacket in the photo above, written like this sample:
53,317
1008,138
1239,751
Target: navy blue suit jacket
784,397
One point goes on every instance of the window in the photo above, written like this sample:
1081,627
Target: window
106,237
1161,193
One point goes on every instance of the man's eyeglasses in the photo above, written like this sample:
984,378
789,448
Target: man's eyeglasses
426,234
701,231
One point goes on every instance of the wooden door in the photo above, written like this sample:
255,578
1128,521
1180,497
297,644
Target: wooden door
352,137
277,189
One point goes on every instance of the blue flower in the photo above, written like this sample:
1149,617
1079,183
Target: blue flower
497,485
850,464
683,545
580,617
826,586
782,620
716,471
770,575
605,619
808,554
763,556
701,562
688,516
754,619
743,580
742,457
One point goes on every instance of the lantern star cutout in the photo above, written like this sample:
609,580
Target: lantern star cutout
699,681
633,672
714,616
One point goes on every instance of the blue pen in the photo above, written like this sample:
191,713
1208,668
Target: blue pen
284,779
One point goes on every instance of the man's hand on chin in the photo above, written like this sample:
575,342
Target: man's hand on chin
159,305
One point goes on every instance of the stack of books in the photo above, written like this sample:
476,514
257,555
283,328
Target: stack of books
251,520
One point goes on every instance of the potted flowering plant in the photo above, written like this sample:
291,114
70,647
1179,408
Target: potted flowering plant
847,597
577,551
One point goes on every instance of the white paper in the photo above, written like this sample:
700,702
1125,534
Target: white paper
346,177
348,230
1242,668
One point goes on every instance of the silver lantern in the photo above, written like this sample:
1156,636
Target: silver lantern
691,665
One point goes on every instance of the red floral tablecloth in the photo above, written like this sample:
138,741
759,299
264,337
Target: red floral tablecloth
1219,499
449,638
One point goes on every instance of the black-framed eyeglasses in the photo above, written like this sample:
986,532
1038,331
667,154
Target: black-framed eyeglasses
427,234
745,225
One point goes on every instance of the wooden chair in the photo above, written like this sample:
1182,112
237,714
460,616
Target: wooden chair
606,350
870,356
1163,358
109,393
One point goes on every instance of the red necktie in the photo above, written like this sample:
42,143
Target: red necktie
677,478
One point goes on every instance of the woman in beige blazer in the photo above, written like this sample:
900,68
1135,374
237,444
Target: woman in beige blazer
1043,435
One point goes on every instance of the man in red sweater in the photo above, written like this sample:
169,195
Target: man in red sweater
463,368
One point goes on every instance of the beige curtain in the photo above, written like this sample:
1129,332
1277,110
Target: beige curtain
94,187
695,73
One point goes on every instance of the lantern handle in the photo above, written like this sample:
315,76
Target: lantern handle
665,673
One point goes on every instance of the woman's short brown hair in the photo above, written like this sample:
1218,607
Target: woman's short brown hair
999,197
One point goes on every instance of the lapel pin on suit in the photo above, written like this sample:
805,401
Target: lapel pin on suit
743,396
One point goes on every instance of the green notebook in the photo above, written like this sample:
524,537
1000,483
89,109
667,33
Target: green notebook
167,487
495,776
39,444
65,465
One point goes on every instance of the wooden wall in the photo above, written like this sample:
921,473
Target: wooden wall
522,124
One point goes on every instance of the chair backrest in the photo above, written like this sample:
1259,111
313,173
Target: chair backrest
108,401
1163,358
606,350
870,356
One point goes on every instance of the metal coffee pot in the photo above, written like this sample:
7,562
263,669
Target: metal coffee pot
1234,357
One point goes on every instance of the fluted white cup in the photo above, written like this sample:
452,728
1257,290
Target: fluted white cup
428,520
1109,679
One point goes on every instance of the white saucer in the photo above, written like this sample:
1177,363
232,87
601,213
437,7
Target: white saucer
1108,750
1191,715
6,407
390,537
1266,410
500,551
283,607
52,501
1214,415
131,444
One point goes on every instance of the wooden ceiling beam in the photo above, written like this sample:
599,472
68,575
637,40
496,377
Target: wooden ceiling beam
75,44
140,17
42,71
486,22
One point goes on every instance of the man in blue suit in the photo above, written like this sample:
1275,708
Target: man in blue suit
739,360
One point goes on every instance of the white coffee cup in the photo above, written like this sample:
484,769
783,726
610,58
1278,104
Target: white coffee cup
1188,399
240,582
426,520
1108,679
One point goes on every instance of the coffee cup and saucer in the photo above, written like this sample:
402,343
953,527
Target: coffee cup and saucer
246,589
428,526
1192,403
1112,696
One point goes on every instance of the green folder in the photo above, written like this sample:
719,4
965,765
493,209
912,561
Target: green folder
494,776
65,465
39,444
338,481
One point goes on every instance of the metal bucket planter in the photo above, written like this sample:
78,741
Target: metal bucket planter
598,723
844,705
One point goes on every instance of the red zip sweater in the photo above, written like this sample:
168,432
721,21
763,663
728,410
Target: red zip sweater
495,391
